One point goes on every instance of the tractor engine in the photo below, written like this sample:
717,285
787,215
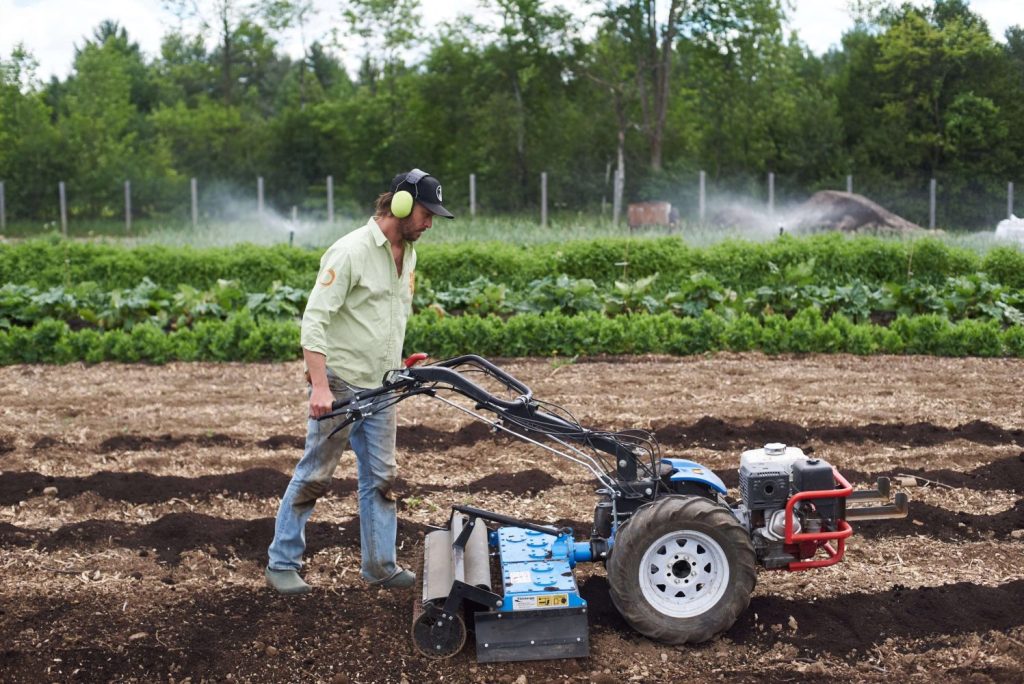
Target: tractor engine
768,479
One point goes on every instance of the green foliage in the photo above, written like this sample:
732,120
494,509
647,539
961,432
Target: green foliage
799,275
1005,265
242,338
825,260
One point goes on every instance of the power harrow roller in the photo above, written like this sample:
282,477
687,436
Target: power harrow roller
681,554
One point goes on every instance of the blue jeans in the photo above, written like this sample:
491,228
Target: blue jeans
372,438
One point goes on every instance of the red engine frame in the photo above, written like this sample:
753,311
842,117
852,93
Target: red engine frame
807,544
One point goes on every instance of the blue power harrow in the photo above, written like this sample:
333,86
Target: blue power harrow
680,553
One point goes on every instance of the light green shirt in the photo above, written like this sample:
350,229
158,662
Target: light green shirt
358,309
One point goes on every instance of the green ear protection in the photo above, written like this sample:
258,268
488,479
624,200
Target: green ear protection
402,200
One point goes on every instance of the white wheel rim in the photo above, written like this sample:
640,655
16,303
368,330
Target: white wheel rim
684,574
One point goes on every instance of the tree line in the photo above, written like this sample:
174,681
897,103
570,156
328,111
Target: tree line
657,90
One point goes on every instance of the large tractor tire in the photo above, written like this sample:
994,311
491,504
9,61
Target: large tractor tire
681,569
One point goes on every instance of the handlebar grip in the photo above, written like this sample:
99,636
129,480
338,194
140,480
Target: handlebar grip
340,403
494,371
415,358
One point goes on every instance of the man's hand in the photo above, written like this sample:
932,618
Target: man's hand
320,400
321,397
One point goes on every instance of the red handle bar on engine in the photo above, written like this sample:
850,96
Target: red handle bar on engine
820,539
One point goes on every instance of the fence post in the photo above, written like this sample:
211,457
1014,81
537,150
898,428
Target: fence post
702,197
1009,200
619,183
195,203
771,193
3,209
128,207
932,188
604,192
472,195
849,183
259,195
544,199
63,209
330,199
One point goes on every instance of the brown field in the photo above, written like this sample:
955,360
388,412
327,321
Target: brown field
146,562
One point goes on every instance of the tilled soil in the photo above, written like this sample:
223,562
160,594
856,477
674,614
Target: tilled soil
137,502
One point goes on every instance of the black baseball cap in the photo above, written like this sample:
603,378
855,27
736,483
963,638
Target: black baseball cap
424,189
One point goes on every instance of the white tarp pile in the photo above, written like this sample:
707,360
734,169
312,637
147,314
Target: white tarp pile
1011,229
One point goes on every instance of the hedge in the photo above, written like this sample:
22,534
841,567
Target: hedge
831,258
242,338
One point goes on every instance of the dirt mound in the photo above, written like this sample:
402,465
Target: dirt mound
846,211
425,438
135,487
717,434
944,525
858,621
175,533
527,482
283,442
825,210
47,442
166,441
1007,473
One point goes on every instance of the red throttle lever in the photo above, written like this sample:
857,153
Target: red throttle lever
413,359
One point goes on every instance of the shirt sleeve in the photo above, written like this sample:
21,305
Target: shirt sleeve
332,286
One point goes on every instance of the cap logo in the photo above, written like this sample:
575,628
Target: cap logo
439,194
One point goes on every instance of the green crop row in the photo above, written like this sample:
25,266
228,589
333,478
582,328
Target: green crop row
242,338
742,266
86,306
787,293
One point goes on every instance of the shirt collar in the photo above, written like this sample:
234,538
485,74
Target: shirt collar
379,238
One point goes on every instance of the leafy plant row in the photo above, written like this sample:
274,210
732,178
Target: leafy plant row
86,306
742,266
971,296
242,338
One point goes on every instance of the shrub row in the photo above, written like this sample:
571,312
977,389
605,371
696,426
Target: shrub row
242,338
239,338
736,264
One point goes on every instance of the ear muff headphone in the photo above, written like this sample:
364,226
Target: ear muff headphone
402,200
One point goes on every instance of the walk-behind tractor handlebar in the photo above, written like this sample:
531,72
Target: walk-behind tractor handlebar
681,554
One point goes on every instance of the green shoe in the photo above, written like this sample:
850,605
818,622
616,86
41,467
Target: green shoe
286,581
403,579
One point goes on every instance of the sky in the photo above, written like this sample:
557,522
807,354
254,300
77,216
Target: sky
51,28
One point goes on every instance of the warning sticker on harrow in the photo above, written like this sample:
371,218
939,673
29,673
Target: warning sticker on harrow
520,577
544,601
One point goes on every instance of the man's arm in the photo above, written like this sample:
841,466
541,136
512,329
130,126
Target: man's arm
327,297
321,398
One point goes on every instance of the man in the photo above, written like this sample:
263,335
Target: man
352,332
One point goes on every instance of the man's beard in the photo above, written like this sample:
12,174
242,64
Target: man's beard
408,230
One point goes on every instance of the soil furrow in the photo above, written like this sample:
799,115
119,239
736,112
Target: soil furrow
707,432
137,487
174,533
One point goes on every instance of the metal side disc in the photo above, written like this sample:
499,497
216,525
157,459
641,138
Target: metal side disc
438,637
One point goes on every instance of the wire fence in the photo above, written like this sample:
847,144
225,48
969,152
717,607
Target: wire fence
698,197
